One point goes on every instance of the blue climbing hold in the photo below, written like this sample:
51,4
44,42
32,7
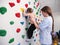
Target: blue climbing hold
22,23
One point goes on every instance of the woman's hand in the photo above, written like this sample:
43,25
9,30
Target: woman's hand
36,25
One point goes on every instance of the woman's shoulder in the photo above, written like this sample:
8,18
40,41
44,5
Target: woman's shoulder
50,19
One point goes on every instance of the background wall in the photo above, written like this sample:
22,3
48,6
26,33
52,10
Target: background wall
54,4
13,24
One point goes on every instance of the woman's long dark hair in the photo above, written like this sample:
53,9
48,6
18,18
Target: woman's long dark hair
47,9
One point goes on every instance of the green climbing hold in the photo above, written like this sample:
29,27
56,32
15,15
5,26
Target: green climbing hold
11,40
11,22
3,10
36,13
36,0
32,36
2,32
38,10
26,29
29,23
29,43
34,7
34,32
23,36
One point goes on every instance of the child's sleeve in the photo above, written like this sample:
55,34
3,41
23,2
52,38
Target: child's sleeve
44,24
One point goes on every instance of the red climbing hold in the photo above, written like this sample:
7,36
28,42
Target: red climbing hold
26,5
36,35
18,30
18,1
37,4
11,4
17,15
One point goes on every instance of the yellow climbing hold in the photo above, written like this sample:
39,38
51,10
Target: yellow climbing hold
22,9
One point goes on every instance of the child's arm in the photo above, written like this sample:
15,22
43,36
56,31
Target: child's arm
25,14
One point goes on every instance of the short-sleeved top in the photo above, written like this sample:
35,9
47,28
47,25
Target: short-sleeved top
45,30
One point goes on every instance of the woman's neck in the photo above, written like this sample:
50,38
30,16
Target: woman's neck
46,15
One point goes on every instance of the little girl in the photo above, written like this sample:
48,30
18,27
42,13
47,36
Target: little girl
46,26
29,13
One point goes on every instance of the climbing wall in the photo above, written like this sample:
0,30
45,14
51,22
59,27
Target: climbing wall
13,24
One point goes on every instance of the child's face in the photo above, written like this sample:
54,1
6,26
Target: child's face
44,13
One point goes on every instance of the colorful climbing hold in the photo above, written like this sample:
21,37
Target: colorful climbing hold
29,3
34,7
26,17
29,23
22,9
23,36
3,10
26,29
37,4
18,43
11,22
11,4
34,3
36,13
22,23
36,35
34,32
11,40
17,15
18,30
34,40
36,0
32,36
29,43
3,32
26,5
39,14
18,1
38,10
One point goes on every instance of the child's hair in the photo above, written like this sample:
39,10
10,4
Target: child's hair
47,9
29,10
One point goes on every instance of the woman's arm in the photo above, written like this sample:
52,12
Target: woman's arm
36,25
37,18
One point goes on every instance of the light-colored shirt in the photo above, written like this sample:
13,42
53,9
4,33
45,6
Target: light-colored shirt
45,30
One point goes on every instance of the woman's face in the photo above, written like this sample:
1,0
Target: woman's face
44,14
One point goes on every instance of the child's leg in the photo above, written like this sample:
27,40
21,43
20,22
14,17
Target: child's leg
30,31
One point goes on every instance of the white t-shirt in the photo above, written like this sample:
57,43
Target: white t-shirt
45,30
